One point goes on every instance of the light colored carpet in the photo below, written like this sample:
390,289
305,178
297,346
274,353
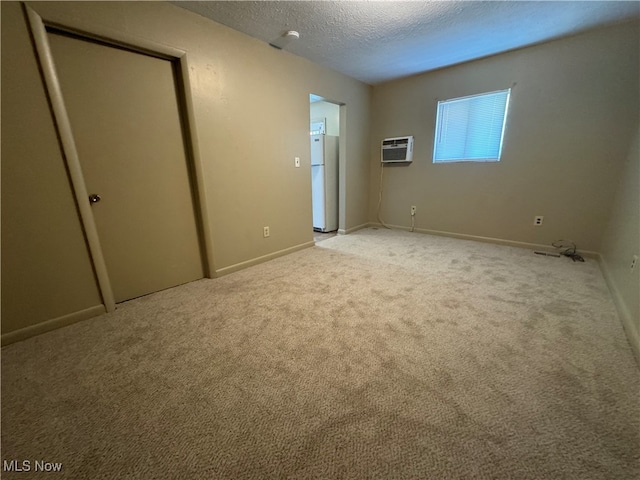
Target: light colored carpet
380,354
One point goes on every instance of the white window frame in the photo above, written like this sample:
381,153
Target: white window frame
439,126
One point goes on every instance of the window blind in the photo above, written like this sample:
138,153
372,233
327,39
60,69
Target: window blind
471,128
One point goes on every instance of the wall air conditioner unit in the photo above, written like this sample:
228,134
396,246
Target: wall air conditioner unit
397,150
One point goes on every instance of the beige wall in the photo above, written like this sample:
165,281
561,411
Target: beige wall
252,118
622,242
570,122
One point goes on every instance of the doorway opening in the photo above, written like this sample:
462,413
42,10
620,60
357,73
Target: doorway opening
326,165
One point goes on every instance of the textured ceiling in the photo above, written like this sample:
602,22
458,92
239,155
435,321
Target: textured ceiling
377,41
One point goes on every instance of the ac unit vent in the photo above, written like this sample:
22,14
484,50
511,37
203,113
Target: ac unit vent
398,141
397,150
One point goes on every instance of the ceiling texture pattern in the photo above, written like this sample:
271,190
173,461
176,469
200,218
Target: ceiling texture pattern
378,41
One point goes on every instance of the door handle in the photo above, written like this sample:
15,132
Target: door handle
94,198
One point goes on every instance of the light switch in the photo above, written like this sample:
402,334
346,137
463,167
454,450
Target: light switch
297,162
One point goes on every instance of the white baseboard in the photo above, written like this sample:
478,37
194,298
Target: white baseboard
477,238
52,324
630,327
264,258
353,229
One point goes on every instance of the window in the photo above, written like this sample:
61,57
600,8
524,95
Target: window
471,129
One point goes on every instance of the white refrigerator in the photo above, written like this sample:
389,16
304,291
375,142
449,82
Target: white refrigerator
324,182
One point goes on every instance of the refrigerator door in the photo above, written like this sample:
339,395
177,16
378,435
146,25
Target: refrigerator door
317,149
318,196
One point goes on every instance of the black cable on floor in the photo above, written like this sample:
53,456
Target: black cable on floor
568,249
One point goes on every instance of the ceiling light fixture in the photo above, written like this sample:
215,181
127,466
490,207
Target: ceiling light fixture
284,39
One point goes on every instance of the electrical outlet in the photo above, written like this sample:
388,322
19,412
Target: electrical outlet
537,221
265,232
634,262
413,210
296,162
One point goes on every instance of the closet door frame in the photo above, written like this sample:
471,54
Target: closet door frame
38,26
